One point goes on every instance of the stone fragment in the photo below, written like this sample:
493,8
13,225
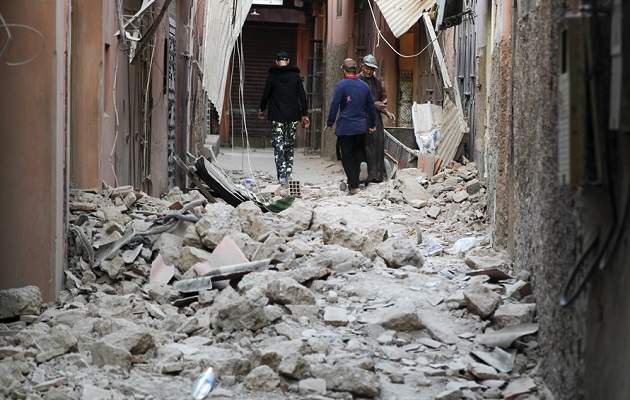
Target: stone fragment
401,317
284,290
262,378
312,386
481,300
169,246
400,252
22,301
519,387
294,366
349,238
300,213
114,267
190,256
335,316
346,377
104,353
482,371
460,196
232,312
433,212
514,314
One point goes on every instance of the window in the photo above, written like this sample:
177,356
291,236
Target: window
339,8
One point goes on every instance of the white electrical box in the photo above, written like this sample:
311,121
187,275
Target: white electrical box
572,101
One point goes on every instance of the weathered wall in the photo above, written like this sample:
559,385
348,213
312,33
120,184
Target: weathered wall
525,164
33,135
87,94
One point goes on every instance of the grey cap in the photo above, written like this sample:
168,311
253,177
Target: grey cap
370,61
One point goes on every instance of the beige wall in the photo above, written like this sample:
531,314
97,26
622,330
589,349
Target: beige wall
32,130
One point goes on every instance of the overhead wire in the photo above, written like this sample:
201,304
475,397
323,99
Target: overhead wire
380,35
7,46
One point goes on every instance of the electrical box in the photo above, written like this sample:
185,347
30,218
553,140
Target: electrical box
572,100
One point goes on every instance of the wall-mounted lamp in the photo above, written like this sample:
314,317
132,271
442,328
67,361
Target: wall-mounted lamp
254,12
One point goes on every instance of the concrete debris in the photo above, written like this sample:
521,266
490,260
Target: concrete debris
335,297
22,301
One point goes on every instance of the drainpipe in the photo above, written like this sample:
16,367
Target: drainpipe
510,168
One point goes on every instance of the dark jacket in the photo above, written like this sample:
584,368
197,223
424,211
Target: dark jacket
284,94
352,99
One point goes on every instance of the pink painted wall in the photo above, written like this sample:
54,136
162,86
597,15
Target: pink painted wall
32,132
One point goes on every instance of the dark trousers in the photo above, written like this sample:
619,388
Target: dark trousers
375,152
352,149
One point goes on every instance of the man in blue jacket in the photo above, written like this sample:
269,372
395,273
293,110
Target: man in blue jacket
285,96
351,101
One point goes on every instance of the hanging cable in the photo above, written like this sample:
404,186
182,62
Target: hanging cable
380,35
7,46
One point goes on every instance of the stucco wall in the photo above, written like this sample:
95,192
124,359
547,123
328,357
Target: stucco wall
545,232
32,132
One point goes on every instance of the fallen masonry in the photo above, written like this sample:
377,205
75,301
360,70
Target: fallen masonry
393,293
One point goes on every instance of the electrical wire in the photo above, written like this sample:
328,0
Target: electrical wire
7,46
380,35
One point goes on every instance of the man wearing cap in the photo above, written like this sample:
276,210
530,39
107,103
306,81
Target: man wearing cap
350,103
284,99
375,143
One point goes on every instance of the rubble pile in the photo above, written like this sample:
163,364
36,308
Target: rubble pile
390,294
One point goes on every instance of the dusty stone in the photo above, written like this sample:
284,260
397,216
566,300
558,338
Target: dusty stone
300,213
312,386
294,366
104,353
349,378
481,300
190,256
460,196
162,294
114,267
216,224
401,317
433,212
397,253
232,312
169,246
335,316
482,371
22,301
349,238
514,314
262,378
284,290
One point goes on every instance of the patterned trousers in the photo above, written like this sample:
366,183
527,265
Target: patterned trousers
283,139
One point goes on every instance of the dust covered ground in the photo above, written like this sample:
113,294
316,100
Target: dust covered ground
394,293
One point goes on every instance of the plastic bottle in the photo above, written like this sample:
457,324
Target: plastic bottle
204,384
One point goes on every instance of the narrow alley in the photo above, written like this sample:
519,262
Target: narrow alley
184,210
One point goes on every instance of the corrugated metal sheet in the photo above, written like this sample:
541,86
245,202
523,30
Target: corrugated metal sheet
224,21
401,15
453,129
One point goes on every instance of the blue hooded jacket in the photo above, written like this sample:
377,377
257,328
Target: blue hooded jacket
352,100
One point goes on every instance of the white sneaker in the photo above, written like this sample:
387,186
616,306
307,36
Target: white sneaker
363,174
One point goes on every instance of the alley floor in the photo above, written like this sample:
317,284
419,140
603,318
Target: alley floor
394,293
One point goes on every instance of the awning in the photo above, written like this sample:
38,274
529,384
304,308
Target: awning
401,15
223,25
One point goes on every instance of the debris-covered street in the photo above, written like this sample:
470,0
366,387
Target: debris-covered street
394,293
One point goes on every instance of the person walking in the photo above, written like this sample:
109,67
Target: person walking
375,143
352,108
284,101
